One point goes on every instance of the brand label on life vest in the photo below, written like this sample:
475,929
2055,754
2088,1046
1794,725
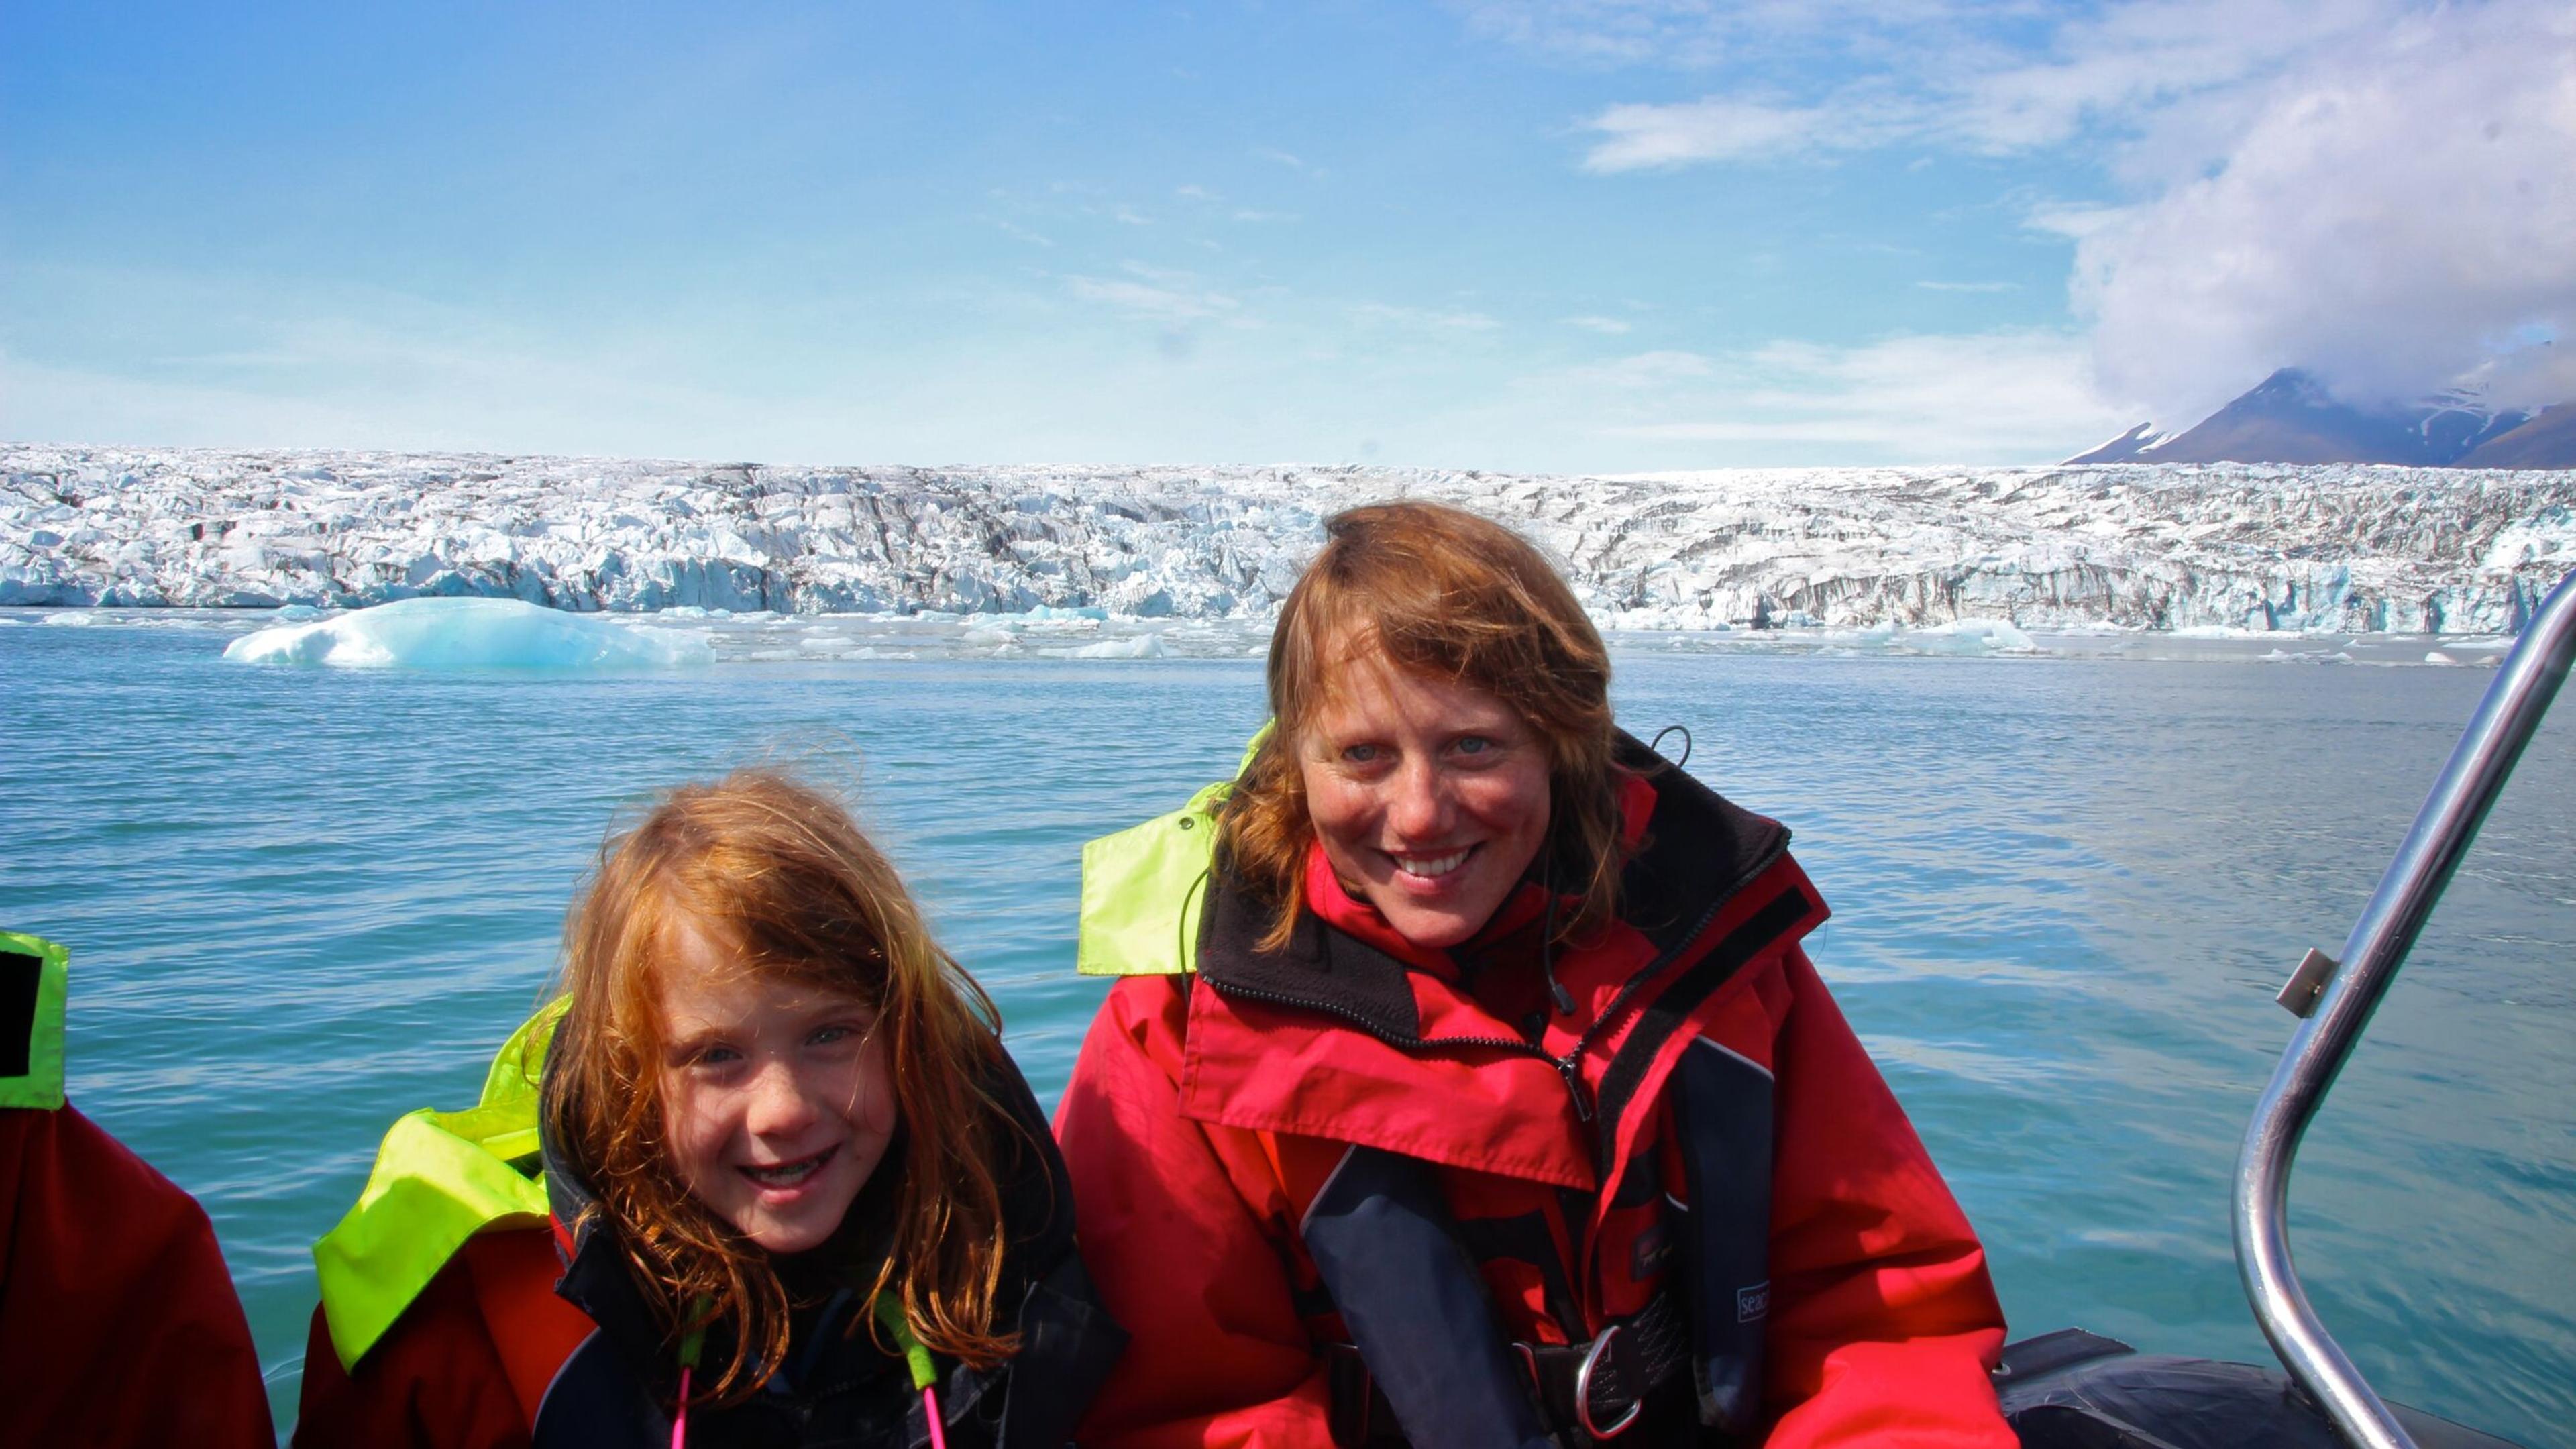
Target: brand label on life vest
1647,1258
1753,1303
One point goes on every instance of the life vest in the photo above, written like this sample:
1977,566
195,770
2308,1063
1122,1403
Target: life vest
439,1180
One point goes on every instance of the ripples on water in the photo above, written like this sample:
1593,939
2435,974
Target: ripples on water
302,901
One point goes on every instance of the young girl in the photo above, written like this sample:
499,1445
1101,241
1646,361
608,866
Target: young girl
798,1192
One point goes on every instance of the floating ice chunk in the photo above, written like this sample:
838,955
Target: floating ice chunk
2436,656
298,614
1973,636
988,638
470,634
1140,646
73,620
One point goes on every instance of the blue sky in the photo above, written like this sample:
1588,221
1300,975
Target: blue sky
1595,235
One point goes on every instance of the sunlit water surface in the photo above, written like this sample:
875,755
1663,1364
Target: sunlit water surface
302,901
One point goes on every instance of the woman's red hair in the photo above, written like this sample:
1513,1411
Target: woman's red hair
1443,593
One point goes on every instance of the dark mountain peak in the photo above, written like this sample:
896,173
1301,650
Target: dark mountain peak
2292,417
2288,387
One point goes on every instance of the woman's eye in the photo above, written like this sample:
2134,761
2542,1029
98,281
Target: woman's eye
1474,745
714,1056
1360,754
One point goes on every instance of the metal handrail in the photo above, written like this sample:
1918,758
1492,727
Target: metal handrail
2469,784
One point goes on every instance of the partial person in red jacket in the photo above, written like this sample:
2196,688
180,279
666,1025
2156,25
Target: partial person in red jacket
118,1320
1469,1085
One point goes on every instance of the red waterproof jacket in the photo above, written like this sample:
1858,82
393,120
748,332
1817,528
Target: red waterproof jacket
1702,1124
118,1321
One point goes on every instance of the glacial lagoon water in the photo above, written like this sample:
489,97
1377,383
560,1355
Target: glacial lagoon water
2067,882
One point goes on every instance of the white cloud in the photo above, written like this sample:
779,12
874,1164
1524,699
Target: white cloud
2011,396
408,377
2382,191
1126,216
1167,297
1426,319
1607,326
2395,215
1646,370
1960,75
1698,34
1646,137
2073,220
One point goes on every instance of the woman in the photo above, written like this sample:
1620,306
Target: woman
801,1195
1473,1088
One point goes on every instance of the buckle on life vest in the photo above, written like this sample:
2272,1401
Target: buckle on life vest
1583,1391
1599,1388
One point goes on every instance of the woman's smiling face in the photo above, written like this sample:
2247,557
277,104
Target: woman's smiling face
1430,797
778,1096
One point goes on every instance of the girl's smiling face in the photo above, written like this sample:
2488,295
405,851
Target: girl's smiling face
778,1097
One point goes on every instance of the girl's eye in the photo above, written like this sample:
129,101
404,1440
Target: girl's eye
714,1056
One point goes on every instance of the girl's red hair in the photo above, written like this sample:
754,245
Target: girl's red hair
782,872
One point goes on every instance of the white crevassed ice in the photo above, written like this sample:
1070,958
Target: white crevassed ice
470,634
2343,548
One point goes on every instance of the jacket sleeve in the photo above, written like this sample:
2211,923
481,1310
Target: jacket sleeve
434,1381
118,1320
1178,1223
1884,1323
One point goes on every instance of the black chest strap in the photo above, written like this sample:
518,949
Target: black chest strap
1429,1365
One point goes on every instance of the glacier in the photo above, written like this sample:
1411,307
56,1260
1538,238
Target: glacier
2349,547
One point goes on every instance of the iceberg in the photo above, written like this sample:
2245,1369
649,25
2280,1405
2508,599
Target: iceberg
470,634
1972,636
1140,646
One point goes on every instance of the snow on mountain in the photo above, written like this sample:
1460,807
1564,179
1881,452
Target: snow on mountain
2328,547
